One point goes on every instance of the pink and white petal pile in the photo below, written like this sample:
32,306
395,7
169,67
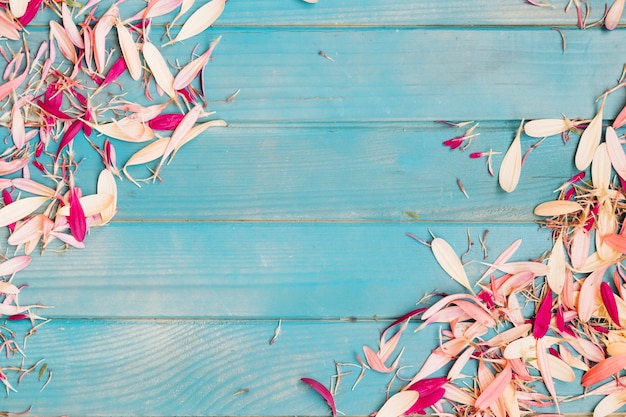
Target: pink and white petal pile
551,322
60,93
64,91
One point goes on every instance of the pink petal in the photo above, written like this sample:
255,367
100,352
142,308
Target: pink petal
495,389
603,370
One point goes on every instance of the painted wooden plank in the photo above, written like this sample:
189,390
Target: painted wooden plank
165,368
330,172
400,75
376,13
259,270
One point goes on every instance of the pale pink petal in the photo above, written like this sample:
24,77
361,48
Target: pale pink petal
33,187
190,71
130,52
613,16
100,32
13,265
67,48
70,27
503,257
545,370
588,296
29,230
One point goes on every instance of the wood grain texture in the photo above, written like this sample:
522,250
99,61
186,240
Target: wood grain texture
348,173
259,270
294,13
165,368
296,211
402,75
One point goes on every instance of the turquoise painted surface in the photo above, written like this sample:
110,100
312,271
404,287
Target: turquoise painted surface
296,211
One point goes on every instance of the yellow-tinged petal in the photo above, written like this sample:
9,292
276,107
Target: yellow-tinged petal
129,51
525,347
132,131
158,67
509,397
398,404
616,152
610,404
200,20
557,208
19,209
557,266
589,141
547,127
18,7
107,186
511,167
601,168
450,262
92,204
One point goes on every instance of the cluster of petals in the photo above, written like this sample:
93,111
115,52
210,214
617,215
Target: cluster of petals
512,336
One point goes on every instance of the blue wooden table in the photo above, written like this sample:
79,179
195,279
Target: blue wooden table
297,211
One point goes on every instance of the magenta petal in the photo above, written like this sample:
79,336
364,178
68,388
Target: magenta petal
168,121
543,317
53,110
560,320
86,128
609,302
454,142
405,317
8,199
425,401
323,391
428,385
76,219
69,135
16,317
116,70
